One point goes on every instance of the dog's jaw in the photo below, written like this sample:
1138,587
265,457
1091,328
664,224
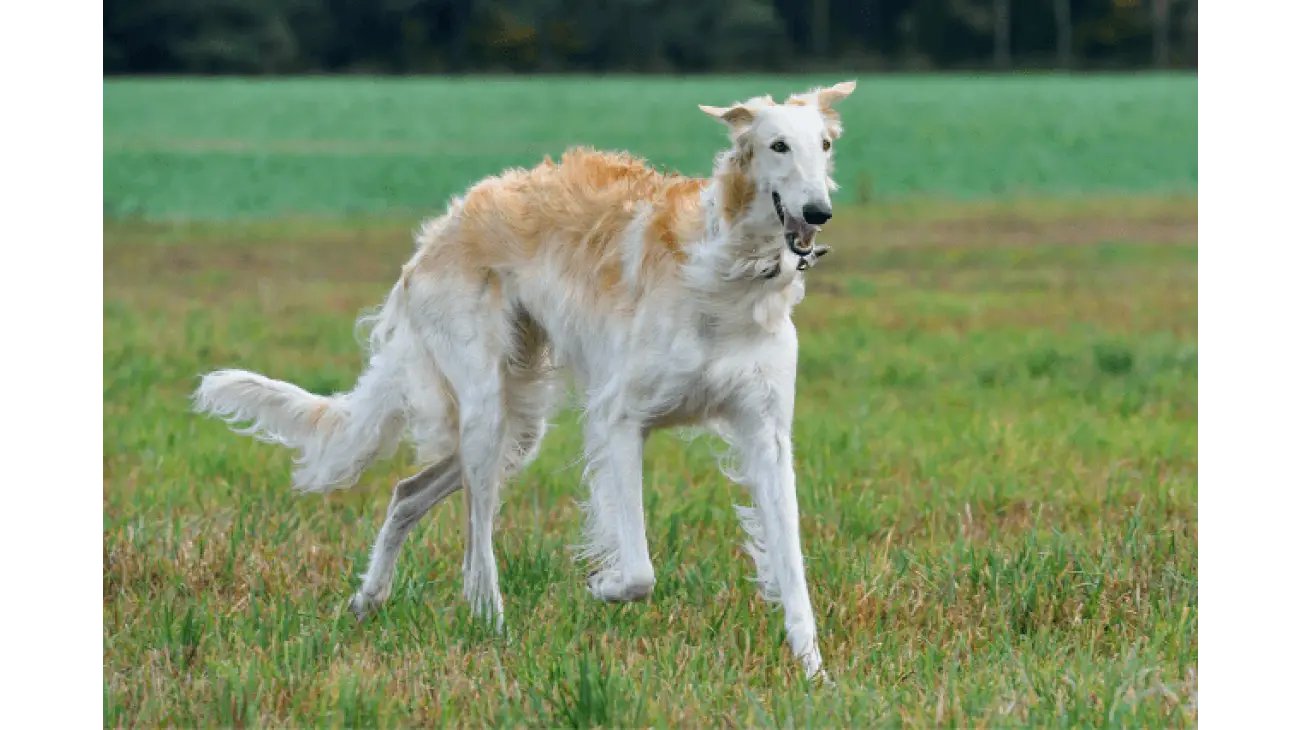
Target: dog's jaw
799,233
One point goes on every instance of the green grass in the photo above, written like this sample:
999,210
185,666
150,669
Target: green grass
222,149
997,464
996,430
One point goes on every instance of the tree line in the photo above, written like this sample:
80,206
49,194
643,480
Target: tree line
641,36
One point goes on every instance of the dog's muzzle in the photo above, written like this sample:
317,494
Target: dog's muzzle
799,235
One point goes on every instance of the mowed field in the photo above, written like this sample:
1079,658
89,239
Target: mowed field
996,432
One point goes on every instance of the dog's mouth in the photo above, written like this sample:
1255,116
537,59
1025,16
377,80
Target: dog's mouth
798,232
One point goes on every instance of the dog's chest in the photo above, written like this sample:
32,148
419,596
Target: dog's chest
697,373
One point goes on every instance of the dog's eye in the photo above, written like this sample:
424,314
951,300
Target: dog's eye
780,146
826,145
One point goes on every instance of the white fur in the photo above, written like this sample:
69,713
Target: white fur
472,386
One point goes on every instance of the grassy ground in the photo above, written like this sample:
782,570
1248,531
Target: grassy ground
997,461
235,148
996,434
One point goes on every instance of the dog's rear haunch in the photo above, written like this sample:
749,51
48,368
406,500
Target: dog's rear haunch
668,298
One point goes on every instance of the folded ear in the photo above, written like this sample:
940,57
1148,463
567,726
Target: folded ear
734,116
823,97
826,98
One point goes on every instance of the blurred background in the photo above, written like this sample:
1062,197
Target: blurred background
225,109
641,36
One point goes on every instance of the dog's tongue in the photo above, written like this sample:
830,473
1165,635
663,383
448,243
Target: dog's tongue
799,235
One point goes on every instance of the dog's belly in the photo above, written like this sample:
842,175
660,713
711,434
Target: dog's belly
688,403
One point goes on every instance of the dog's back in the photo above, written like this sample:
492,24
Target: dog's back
599,222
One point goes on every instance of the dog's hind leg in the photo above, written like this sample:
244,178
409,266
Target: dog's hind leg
528,400
465,326
413,497
482,444
508,438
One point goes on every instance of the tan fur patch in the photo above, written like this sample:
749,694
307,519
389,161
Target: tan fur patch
738,189
492,283
573,213
678,217
317,413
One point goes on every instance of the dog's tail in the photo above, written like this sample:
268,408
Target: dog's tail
337,436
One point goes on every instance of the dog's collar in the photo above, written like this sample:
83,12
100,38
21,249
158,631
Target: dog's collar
804,263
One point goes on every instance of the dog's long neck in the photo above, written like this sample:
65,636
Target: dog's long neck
733,201
739,268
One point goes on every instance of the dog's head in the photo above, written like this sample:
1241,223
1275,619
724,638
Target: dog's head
786,150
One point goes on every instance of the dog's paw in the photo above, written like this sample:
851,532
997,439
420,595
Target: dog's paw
493,618
611,586
486,606
820,678
363,604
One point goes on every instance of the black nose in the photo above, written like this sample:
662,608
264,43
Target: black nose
816,215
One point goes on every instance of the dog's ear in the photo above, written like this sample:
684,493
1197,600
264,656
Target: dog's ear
739,116
826,98
736,117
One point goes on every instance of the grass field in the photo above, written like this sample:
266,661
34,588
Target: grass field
225,149
996,429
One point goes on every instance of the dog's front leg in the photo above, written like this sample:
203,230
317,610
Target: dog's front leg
767,462
615,531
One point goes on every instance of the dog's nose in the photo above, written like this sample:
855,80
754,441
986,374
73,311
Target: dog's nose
816,215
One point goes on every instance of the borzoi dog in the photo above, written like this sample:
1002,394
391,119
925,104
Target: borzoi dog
667,298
